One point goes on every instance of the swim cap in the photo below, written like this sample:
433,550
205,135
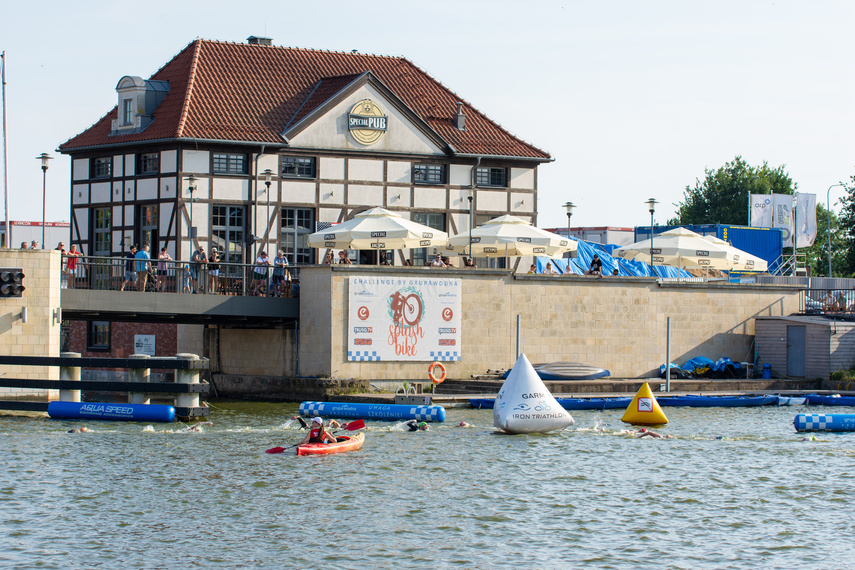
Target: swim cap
319,420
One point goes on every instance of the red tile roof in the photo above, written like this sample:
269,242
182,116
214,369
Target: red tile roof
249,93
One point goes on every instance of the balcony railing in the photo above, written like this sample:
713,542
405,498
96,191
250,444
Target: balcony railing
180,277
830,302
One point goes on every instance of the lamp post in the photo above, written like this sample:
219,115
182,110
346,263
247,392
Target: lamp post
828,221
268,174
470,197
569,207
44,157
651,205
191,186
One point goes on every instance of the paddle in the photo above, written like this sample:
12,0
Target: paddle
352,426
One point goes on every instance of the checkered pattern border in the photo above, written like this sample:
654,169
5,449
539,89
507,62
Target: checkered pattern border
426,413
445,356
813,422
312,409
362,355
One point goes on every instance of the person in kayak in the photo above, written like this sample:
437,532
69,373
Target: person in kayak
317,433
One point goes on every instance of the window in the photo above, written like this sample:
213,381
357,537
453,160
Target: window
429,174
298,167
149,163
102,167
297,224
98,336
101,271
127,111
491,177
435,221
148,228
227,235
229,163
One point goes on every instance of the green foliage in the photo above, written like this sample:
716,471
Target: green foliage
817,254
722,197
846,232
844,375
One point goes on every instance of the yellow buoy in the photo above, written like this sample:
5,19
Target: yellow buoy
644,409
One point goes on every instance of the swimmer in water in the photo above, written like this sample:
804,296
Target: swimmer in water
644,432
416,426
198,426
303,424
464,424
84,429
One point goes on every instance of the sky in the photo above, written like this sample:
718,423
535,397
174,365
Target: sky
633,100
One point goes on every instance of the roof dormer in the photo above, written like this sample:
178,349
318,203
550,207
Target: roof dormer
138,99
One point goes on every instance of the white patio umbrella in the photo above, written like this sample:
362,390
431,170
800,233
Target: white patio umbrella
509,236
679,248
377,229
742,260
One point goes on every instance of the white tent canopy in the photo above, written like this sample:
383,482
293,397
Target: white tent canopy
377,229
509,236
679,248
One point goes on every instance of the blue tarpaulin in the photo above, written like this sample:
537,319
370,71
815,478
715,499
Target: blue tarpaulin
580,264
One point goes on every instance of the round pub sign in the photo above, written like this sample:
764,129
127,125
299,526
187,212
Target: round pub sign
366,122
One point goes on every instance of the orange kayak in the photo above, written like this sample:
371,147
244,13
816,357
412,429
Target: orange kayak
343,443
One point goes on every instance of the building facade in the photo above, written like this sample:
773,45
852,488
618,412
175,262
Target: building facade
249,147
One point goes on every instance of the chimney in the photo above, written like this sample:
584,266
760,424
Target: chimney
259,41
459,119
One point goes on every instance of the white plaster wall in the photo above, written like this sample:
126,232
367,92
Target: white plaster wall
331,168
196,161
80,169
235,189
266,161
82,217
330,131
117,217
118,192
117,240
100,192
331,194
129,215
460,174
80,194
522,202
491,200
398,197
130,164
147,189
461,222
200,219
364,195
429,197
459,199
369,170
398,171
169,161
168,187
166,209
329,214
298,191
522,178
118,165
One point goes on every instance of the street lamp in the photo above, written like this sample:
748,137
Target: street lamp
828,227
191,186
44,157
569,207
268,174
651,205
470,197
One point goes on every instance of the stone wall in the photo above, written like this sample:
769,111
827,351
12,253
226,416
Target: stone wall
618,323
40,335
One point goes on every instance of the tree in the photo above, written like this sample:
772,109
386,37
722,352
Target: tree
722,197
846,231
816,256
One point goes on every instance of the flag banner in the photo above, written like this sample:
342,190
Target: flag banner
782,217
761,210
805,219
403,318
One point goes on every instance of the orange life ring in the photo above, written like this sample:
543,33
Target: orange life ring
432,376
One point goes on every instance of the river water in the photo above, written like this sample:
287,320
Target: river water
121,496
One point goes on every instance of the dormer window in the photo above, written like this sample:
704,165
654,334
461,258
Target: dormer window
127,112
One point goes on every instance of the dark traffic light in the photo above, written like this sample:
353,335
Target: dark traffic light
11,282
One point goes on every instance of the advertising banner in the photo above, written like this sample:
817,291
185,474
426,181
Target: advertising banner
782,216
806,219
761,210
403,318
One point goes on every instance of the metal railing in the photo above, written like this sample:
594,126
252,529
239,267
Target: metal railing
793,264
180,277
829,302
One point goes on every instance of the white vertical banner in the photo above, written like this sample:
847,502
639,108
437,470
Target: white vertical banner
806,219
782,217
403,318
761,210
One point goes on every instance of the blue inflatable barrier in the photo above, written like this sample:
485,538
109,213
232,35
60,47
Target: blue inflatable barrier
824,422
373,411
104,411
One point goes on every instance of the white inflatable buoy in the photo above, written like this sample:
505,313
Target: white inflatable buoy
524,405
